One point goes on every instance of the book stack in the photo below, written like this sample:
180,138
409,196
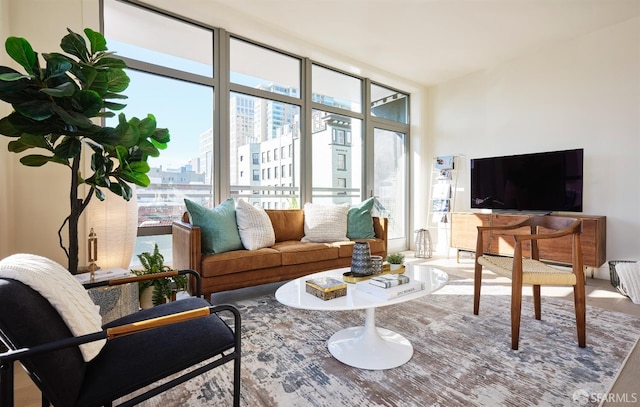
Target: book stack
390,286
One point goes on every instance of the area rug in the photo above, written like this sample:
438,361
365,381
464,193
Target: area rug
459,359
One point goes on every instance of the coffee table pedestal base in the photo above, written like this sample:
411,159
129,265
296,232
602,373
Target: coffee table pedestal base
369,347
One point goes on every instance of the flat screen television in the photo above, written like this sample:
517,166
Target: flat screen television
538,182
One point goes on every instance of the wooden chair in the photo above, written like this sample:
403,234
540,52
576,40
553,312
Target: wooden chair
532,271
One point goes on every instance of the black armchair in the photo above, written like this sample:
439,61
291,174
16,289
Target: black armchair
140,350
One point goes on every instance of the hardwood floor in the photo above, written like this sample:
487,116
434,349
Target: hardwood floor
600,294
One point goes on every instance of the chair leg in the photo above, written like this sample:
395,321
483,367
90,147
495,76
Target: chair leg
477,282
581,318
6,385
516,306
537,307
236,381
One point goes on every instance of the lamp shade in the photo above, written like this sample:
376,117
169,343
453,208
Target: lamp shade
115,223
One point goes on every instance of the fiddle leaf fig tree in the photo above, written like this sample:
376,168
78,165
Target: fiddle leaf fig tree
58,110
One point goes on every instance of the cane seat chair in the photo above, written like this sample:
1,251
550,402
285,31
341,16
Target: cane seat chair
142,354
523,270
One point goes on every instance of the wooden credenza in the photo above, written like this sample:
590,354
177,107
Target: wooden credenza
464,233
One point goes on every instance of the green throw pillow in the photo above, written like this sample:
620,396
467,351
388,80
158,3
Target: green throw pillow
218,226
360,220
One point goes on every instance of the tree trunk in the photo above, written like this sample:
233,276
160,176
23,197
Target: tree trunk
74,216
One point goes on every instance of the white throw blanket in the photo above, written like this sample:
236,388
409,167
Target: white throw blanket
62,290
629,276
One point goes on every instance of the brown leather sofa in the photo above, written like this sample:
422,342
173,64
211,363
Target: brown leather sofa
287,259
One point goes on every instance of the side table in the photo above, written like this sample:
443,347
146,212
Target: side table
115,301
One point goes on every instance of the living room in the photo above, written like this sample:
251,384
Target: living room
558,90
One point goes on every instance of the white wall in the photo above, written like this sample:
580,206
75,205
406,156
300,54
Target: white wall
584,93
35,200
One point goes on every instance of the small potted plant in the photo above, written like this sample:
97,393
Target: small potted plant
156,291
395,260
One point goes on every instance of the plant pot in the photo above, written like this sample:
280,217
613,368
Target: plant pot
146,298
394,267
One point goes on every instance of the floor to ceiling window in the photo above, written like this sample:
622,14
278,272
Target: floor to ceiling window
274,129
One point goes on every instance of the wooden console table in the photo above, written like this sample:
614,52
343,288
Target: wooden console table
594,238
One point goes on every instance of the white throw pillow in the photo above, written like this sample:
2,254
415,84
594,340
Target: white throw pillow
325,223
254,225
63,292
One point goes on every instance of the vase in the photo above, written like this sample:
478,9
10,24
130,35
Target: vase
361,259
146,298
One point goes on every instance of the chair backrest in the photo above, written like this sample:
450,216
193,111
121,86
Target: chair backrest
556,222
28,319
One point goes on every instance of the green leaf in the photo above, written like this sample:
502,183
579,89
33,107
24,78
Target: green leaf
7,129
107,62
111,95
148,148
69,148
33,140
139,166
114,106
75,45
17,146
57,65
136,178
117,80
35,109
99,194
147,126
161,136
129,135
13,76
72,118
97,41
88,102
37,160
63,90
20,51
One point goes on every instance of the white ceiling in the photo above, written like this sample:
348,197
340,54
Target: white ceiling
424,41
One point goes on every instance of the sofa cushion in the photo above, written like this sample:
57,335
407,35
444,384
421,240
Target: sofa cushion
288,224
325,223
236,261
360,220
218,226
254,226
293,252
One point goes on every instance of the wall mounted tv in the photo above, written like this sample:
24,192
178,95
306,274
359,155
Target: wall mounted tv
538,182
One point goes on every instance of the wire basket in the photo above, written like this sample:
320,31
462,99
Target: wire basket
613,275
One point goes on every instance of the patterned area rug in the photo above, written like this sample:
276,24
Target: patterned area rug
459,359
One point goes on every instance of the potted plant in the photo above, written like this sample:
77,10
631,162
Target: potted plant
59,108
158,290
395,260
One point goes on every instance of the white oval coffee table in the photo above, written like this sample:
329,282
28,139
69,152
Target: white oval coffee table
368,346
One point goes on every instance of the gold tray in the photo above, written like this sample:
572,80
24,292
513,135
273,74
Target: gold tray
348,277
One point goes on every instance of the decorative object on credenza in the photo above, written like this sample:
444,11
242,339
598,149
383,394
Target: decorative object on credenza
423,247
361,259
395,260
159,290
55,107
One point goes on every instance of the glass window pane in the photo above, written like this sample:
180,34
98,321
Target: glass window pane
258,128
389,104
259,67
146,36
337,158
390,179
184,169
336,89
